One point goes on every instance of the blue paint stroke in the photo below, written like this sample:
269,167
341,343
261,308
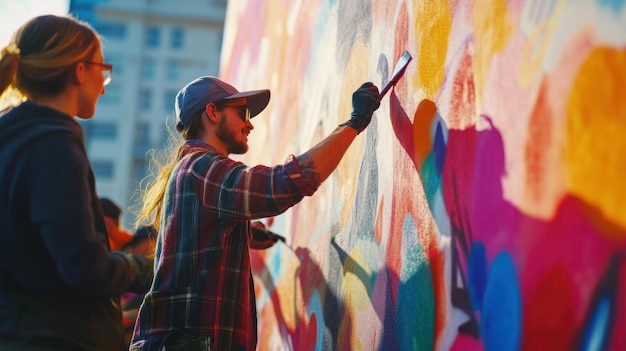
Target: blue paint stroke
600,320
501,318
439,148
432,167
594,337
477,275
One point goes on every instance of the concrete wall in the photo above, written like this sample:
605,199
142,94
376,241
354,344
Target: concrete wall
483,208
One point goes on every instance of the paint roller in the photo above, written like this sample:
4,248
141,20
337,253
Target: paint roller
398,72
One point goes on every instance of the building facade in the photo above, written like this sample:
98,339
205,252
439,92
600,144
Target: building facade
155,46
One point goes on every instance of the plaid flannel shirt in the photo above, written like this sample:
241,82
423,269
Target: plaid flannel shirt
203,281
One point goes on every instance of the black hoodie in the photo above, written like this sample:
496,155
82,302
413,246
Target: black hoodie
58,281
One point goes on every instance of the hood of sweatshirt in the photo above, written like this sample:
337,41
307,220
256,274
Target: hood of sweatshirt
27,122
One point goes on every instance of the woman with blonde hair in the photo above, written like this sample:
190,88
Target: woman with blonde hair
59,282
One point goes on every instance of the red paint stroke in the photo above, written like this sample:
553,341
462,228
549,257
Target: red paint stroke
378,229
466,343
463,99
403,127
458,172
539,131
549,321
438,264
400,32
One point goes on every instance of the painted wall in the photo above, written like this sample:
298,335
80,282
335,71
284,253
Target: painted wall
482,209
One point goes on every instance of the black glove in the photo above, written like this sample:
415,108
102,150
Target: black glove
263,238
261,234
365,101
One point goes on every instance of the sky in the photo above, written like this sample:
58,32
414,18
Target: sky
14,13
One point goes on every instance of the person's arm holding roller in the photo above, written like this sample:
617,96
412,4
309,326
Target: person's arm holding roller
322,159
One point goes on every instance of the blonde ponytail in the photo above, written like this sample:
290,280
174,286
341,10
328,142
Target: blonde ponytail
9,64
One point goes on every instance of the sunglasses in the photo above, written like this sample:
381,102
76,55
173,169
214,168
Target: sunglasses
243,111
107,70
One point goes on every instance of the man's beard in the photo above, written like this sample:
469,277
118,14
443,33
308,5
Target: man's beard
228,137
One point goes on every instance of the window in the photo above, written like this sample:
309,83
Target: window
103,130
168,100
142,134
220,38
153,37
145,99
142,140
113,93
118,65
148,68
112,30
164,136
140,169
177,39
172,71
102,169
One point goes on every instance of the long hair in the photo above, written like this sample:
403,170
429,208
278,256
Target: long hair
153,187
42,54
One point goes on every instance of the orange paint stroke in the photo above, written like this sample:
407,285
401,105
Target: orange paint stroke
596,125
422,122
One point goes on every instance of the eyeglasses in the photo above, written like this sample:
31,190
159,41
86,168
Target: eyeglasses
107,70
244,111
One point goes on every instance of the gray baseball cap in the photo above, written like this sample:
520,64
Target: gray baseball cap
194,97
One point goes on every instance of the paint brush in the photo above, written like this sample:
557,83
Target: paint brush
398,71
263,234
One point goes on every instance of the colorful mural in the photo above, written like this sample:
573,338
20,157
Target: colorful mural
483,208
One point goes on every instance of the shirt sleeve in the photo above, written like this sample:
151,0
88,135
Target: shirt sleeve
233,191
304,185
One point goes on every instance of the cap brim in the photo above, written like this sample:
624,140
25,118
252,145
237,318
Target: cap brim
256,100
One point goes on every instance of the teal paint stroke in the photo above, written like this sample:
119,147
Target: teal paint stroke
314,307
416,298
615,5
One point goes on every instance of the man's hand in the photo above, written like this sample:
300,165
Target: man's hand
262,238
144,271
365,101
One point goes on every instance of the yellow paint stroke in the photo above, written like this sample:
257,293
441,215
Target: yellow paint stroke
355,295
538,42
492,30
433,23
595,149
